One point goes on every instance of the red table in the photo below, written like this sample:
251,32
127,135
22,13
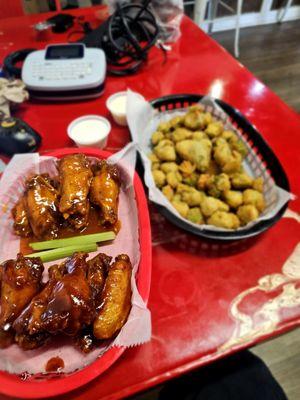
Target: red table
194,282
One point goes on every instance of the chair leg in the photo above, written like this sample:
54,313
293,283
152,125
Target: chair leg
199,11
282,11
212,13
237,28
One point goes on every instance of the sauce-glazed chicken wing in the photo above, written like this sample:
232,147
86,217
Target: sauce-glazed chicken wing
75,180
105,189
64,306
41,200
20,281
21,222
115,299
97,272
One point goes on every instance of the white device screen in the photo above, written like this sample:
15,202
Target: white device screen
64,52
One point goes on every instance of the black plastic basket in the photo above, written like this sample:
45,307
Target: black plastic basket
168,103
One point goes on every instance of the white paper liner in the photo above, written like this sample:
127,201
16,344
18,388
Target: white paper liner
143,120
137,329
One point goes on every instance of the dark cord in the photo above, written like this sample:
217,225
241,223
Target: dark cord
131,31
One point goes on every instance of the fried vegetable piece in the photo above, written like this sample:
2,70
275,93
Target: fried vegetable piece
181,134
251,196
191,179
65,304
209,205
153,158
224,219
20,281
164,127
159,178
194,215
214,129
169,167
180,206
168,192
75,179
241,181
186,168
105,190
165,150
173,179
195,118
258,184
175,122
198,152
156,137
199,135
115,299
41,203
229,160
217,184
239,146
21,223
233,198
190,195
247,213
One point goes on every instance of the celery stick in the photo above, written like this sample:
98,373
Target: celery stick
62,252
73,241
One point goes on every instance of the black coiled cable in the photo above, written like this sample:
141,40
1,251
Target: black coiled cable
130,33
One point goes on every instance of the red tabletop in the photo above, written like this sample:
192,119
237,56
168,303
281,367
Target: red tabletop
207,299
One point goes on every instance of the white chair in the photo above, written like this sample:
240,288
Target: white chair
199,16
283,10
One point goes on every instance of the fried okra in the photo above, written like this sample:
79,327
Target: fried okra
167,167
209,205
241,181
197,162
181,207
233,198
224,219
251,196
247,213
190,195
194,215
168,192
159,178
197,152
165,150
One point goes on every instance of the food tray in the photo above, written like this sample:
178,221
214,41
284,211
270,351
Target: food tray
13,385
255,141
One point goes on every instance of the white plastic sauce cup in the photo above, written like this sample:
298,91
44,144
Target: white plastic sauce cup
117,104
89,131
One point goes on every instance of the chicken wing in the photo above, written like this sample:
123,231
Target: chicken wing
85,340
41,200
105,189
97,272
21,223
75,180
20,281
115,299
65,305
28,326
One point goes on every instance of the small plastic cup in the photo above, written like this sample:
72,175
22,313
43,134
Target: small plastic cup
116,104
89,131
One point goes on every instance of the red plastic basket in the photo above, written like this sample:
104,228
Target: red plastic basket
12,385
